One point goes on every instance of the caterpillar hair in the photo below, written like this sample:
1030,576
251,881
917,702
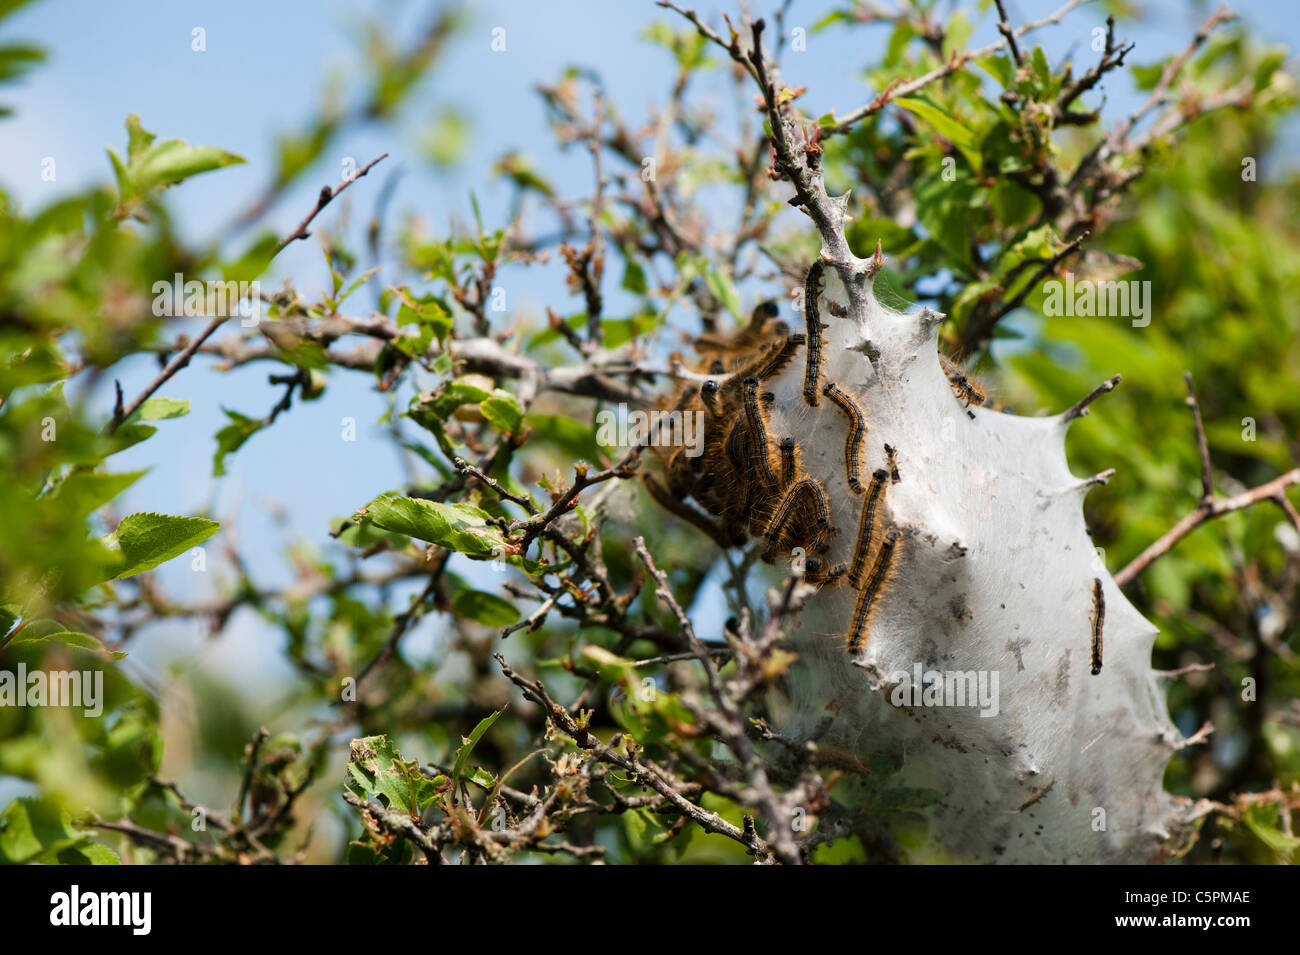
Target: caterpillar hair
734,446
805,487
866,524
758,431
812,370
962,386
1098,620
814,573
781,357
857,431
867,597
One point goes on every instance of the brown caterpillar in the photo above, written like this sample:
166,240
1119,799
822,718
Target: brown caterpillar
857,431
781,357
962,386
814,574
866,524
805,487
758,431
789,461
1098,620
867,597
812,370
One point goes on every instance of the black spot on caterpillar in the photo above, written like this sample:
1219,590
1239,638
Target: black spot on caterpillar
866,524
789,462
717,367
813,571
812,370
709,393
758,432
867,597
1098,620
857,431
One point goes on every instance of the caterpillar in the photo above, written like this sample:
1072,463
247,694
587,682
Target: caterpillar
962,386
1098,619
780,357
891,456
857,431
758,431
812,370
733,447
813,571
866,525
709,395
867,597
789,461
805,487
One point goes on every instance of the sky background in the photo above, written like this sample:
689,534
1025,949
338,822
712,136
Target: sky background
265,70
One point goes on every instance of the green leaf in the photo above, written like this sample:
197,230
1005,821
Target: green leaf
84,492
503,412
377,771
462,754
459,527
485,608
232,437
36,830
159,409
946,125
147,540
153,164
44,631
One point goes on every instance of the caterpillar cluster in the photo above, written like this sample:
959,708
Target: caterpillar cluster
749,482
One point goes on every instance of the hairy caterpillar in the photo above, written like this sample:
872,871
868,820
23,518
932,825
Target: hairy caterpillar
804,488
758,431
812,370
789,461
1098,620
962,386
867,597
857,431
780,357
866,525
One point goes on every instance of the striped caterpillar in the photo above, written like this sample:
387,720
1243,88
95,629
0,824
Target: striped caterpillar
813,358
857,431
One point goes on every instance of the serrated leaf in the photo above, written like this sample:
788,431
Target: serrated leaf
459,527
147,540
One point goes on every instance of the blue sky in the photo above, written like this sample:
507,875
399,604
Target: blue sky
265,68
